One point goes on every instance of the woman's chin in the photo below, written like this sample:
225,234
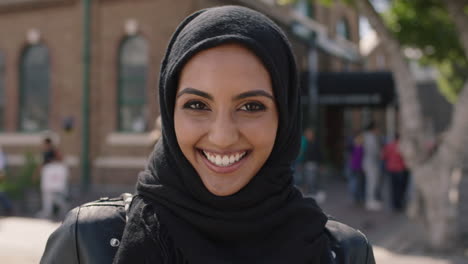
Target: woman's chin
222,190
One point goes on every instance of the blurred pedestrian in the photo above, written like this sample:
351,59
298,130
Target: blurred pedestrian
54,182
4,199
357,179
311,171
396,168
371,166
299,164
50,152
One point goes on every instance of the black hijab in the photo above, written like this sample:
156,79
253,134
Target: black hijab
267,221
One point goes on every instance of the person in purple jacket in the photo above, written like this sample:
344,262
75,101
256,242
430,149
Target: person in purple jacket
357,179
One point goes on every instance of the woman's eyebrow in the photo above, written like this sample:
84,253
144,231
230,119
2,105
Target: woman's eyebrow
253,93
194,91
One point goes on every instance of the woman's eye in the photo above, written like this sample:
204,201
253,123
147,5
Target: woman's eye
195,105
253,107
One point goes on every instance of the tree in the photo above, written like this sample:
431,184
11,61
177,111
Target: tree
426,25
437,171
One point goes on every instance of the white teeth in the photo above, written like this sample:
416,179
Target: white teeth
223,160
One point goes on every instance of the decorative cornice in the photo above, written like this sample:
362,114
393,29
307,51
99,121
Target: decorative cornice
21,5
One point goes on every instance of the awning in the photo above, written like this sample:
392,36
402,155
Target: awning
355,88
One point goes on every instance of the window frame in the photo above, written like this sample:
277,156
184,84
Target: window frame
23,89
347,34
121,80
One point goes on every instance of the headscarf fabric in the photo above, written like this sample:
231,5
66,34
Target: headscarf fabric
268,220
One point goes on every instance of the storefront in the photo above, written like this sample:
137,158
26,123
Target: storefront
347,102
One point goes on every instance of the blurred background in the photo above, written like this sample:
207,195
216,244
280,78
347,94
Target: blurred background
78,90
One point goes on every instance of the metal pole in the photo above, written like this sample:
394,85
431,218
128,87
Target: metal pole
85,177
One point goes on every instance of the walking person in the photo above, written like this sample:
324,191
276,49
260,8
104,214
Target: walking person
357,178
396,168
312,159
218,187
54,182
4,199
299,163
371,166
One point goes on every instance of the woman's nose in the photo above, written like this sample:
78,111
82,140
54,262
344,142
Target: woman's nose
224,131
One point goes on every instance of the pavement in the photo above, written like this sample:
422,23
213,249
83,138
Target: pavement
394,238
22,240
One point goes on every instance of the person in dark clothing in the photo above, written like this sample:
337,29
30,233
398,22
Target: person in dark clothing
5,201
50,152
396,168
312,159
218,187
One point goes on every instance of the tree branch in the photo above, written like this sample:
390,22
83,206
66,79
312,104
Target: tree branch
460,19
456,139
454,144
413,136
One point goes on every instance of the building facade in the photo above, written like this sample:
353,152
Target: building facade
44,72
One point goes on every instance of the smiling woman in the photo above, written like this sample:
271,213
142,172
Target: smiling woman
231,116
218,185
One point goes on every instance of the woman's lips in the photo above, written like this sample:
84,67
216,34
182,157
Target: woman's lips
236,160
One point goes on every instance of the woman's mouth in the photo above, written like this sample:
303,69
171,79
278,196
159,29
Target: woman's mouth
223,163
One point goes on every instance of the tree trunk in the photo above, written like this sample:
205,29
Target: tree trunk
436,173
413,139
437,182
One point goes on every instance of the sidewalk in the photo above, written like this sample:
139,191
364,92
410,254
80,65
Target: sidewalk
395,239
22,240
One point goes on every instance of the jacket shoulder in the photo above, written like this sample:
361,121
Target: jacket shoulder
348,244
90,233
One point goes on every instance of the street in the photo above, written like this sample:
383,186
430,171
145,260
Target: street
22,241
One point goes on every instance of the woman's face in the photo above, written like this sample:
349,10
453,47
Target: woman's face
225,116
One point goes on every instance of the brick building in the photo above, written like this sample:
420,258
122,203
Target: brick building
43,73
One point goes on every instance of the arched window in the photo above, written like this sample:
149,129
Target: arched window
342,29
2,92
133,68
34,89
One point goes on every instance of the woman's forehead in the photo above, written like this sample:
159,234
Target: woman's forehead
229,65
236,53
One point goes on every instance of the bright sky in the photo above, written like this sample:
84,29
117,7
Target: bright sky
366,33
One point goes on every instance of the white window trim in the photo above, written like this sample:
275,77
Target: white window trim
20,139
129,139
19,160
27,139
121,162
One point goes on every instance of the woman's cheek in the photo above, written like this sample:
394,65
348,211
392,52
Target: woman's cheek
262,130
190,124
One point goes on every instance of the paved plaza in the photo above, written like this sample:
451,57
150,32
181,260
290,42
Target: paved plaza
22,239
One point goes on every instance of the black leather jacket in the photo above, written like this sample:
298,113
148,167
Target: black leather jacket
91,234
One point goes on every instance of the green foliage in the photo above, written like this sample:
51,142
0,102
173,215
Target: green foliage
426,24
14,186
